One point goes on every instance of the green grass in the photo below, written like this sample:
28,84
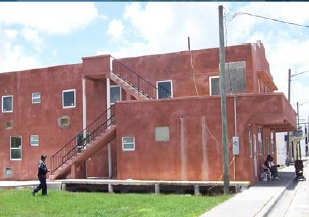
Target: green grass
20,203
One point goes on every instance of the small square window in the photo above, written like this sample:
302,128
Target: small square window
162,134
68,98
64,121
34,140
8,172
128,143
36,97
7,104
8,125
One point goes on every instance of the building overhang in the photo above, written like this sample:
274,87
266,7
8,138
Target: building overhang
267,79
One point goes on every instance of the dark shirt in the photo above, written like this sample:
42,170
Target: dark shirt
42,169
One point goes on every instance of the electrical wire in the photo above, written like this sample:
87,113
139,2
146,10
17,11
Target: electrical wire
299,73
268,18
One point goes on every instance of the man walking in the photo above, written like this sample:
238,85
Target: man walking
42,171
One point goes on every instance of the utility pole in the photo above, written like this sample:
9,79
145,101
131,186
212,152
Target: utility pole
288,136
223,105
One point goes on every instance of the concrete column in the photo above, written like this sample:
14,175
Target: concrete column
197,190
110,188
157,189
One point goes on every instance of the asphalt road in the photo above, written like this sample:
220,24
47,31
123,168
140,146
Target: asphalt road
295,200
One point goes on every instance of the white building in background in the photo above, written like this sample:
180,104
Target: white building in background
281,148
282,143
304,126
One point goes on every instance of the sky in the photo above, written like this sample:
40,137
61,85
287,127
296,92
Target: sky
43,34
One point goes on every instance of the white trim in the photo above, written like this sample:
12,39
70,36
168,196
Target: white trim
72,106
31,140
34,98
120,94
84,105
124,149
2,103
157,86
21,142
210,83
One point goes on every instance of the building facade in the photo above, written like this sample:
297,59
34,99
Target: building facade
155,117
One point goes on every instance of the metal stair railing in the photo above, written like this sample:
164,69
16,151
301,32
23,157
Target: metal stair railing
77,143
136,81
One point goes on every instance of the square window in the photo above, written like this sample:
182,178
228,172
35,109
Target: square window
34,140
64,121
7,104
164,89
162,134
8,172
8,125
68,98
128,143
15,148
36,97
115,94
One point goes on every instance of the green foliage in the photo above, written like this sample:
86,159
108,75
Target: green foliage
20,203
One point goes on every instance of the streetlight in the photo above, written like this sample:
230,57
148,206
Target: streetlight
288,160
298,128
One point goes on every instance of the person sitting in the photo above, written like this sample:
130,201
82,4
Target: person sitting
269,163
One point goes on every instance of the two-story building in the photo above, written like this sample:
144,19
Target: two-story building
155,117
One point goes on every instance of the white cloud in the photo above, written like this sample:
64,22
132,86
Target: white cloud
11,33
165,27
49,17
16,58
32,23
115,28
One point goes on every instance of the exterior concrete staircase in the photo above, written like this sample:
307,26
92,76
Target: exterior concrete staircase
86,152
103,130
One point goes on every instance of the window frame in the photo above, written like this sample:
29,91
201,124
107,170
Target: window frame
250,141
260,140
19,148
35,140
171,90
2,107
123,144
210,84
120,93
272,142
66,91
36,97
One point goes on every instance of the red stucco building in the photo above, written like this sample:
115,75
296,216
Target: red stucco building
155,117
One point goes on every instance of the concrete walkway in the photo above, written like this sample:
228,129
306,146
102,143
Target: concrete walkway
258,200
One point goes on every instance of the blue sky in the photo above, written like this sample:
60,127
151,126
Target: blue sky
42,34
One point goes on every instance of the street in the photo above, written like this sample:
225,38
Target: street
295,200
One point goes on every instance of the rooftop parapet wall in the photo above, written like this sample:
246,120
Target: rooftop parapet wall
96,66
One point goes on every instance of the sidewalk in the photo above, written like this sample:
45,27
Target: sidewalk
258,200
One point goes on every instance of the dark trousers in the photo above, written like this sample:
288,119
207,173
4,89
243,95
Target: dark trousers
274,171
42,185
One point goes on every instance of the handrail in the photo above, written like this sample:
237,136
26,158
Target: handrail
84,137
136,81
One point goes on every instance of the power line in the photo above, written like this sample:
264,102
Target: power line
299,73
267,18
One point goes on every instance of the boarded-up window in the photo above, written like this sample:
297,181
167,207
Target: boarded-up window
235,79
162,134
